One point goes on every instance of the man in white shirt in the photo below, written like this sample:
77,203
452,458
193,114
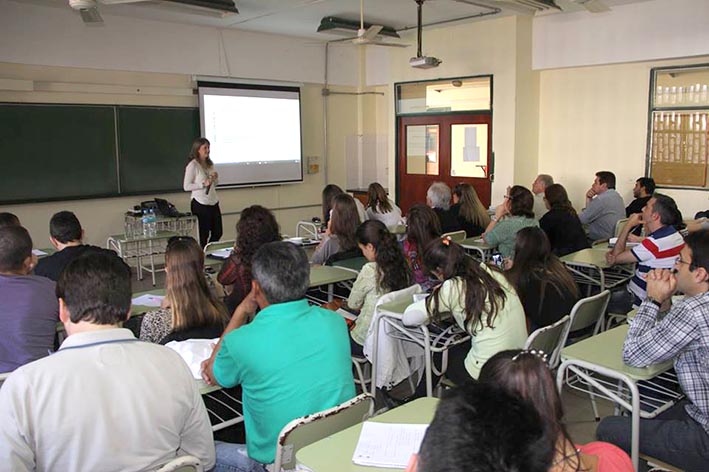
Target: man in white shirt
105,401
539,185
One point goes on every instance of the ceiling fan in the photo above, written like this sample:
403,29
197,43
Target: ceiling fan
369,36
90,14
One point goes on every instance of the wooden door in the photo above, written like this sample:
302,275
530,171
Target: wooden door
452,148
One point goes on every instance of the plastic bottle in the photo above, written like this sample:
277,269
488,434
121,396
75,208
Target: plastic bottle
146,223
153,225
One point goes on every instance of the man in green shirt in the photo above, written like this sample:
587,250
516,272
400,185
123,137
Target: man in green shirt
292,360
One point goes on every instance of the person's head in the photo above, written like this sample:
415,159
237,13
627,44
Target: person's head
200,152
64,227
471,209
520,201
380,246
604,180
377,198
192,303
479,428
532,247
439,196
660,211
541,183
692,267
344,221
281,272
256,226
644,187
422,225
328,193
8,219
94,288
556,198
15,250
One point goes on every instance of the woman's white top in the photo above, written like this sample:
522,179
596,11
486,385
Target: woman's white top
195,175
390,219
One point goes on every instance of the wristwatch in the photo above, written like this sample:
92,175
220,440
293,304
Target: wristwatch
655,302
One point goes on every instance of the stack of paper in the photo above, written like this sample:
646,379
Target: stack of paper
221,253
148,300
388,444
38,252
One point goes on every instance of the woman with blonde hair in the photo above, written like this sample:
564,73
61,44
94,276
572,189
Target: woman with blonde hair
380,207
470,212
190,310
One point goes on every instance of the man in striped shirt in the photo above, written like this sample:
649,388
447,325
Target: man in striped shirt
659,250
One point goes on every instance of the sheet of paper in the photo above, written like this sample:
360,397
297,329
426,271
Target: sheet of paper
148,300
388,444
221,253
38,252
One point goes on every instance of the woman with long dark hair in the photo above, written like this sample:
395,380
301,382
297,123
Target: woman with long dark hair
561,223
381,207
470,212
340,233
201,180
422,227
386,271
328,193
544,285
515,213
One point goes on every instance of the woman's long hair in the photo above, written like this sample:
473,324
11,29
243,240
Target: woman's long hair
534,261
256,227
558,199
521,201
193,305
377,198
526,375
345,220
194,152
484,296
471,209
393,272
328,193
422,226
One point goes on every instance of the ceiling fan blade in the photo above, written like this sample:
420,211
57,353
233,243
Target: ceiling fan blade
90,15
372,31
391,45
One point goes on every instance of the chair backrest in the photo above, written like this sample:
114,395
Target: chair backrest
182,464
216,245
619,226
456,236
589,311
351,259
306,430
550,339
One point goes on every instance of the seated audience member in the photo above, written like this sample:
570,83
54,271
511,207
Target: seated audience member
511,215
292,360
438,197
386,271
561,223
191,309
103,401
65,234
470,213
526,376
539,186
422,227
340,234
643,190
480,300
381,207
659,250
604,207
545,287
8,219
29,310
256,226
328,193
478,428
680,435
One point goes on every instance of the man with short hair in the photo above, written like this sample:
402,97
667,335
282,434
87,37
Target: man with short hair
604,207
66,235
643,190
680,435
539,185
8,219
104,401
292,360
29,310
438,197
659,250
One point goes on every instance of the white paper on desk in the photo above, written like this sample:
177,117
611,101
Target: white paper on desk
388,444
613,241
38,252
221,253
148,300
193,352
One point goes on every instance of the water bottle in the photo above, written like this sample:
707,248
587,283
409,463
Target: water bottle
153,223
146,223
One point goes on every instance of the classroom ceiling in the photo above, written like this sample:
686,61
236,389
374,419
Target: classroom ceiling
301,17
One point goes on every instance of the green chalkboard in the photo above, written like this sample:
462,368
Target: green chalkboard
153,147
57,152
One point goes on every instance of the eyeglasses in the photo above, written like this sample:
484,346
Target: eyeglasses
690,264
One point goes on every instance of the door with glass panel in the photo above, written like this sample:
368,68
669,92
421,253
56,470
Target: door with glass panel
438,142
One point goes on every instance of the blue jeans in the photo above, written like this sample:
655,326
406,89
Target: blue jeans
672,437
234,458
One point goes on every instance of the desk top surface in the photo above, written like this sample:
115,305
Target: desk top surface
122,238
592,256
606,350
334,453
324,275
476,242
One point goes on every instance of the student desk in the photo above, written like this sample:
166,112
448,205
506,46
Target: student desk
334,453
595,366
215,263
589,267
478,246
321,275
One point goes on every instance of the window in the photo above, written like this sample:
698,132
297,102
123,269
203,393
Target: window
678,128
444,96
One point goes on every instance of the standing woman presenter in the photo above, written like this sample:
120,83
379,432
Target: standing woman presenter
201,180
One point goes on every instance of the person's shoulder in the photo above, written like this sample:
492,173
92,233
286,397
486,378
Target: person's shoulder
369,268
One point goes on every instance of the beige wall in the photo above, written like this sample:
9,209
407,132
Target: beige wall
595,118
